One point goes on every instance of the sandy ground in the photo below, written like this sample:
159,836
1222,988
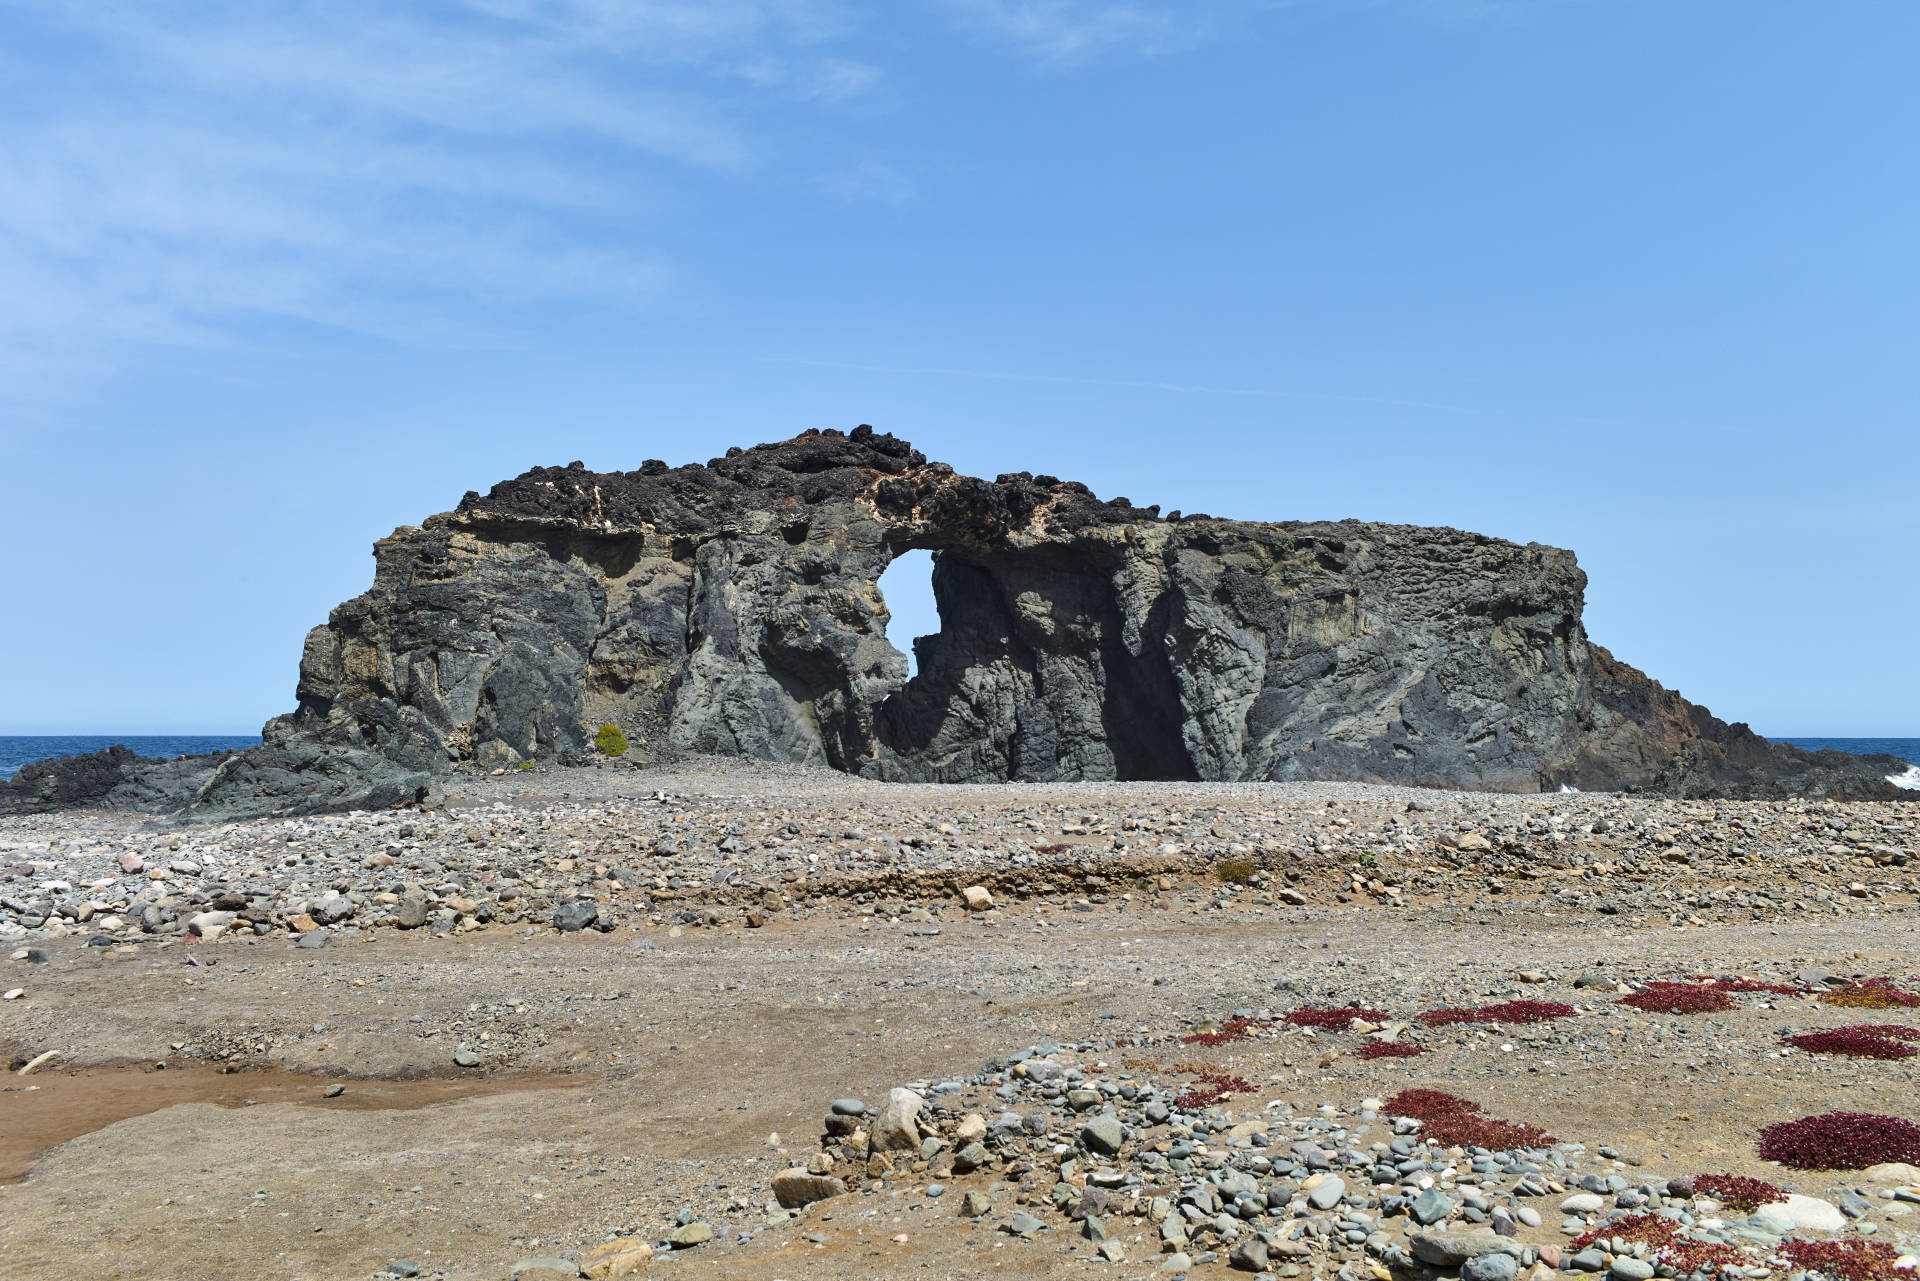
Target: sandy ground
700,1064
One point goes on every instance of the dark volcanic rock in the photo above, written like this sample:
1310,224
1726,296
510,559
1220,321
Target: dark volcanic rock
733,609
73,780
285,776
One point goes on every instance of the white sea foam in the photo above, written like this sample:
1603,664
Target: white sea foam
1909,780
1566,788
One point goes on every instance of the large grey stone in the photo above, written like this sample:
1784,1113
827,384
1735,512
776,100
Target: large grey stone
1490,1267
1805,1213
1326,1194
897,1128
1103,1134
410,912
796,1187
1250,1256
1452,1249
331,908
576,915
1430,1207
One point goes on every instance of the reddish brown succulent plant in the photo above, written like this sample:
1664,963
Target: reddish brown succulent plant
1747,985
1213,1087
1450,1119
1650,1228
1854,1043
1871,994
1679,998
1689,1257
1892,1031
1738,1192
1853,1260
1504,1012
1334,1020
1840,1141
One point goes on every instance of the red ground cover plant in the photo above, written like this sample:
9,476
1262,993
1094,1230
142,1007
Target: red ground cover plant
1840,1141
1871,994
1679,998
1389,1050
1650,1228
1689,1257
1852,1042
1892,1031
1853,1260
1505,1012
1747,985
1451,1120
1231,1030
1422,1105
1334,1020
1737,1192
1663,1234
1213,1087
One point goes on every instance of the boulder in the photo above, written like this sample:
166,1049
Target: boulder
1805,1213
575,915
210,925
1103,1134
796,1188
411,911
1453,1249
611,1260
897,1127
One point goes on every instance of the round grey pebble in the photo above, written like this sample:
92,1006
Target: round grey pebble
1490,1267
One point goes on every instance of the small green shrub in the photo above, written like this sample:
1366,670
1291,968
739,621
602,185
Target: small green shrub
610,741
1370,859
1235,871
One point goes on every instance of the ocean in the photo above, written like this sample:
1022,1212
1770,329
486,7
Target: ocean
1907,749
18,749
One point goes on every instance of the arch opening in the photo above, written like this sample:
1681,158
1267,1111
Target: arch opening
907,586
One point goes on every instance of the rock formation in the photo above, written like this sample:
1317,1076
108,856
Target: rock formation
734,609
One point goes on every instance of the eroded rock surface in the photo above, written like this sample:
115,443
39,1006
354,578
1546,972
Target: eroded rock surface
733,608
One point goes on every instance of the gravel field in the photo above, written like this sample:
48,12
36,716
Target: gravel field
712,953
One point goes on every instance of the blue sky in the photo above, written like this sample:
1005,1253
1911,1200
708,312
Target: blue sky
1627,276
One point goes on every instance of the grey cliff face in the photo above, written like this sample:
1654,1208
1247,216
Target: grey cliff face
734,609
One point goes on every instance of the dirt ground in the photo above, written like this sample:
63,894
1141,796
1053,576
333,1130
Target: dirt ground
698,1064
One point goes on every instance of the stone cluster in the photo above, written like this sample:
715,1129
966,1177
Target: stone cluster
555,855
1067,1140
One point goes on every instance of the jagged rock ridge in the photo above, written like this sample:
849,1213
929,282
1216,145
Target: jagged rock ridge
733,608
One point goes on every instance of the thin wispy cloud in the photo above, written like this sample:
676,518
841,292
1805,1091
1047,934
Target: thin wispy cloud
206,172
1075,31
180,172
